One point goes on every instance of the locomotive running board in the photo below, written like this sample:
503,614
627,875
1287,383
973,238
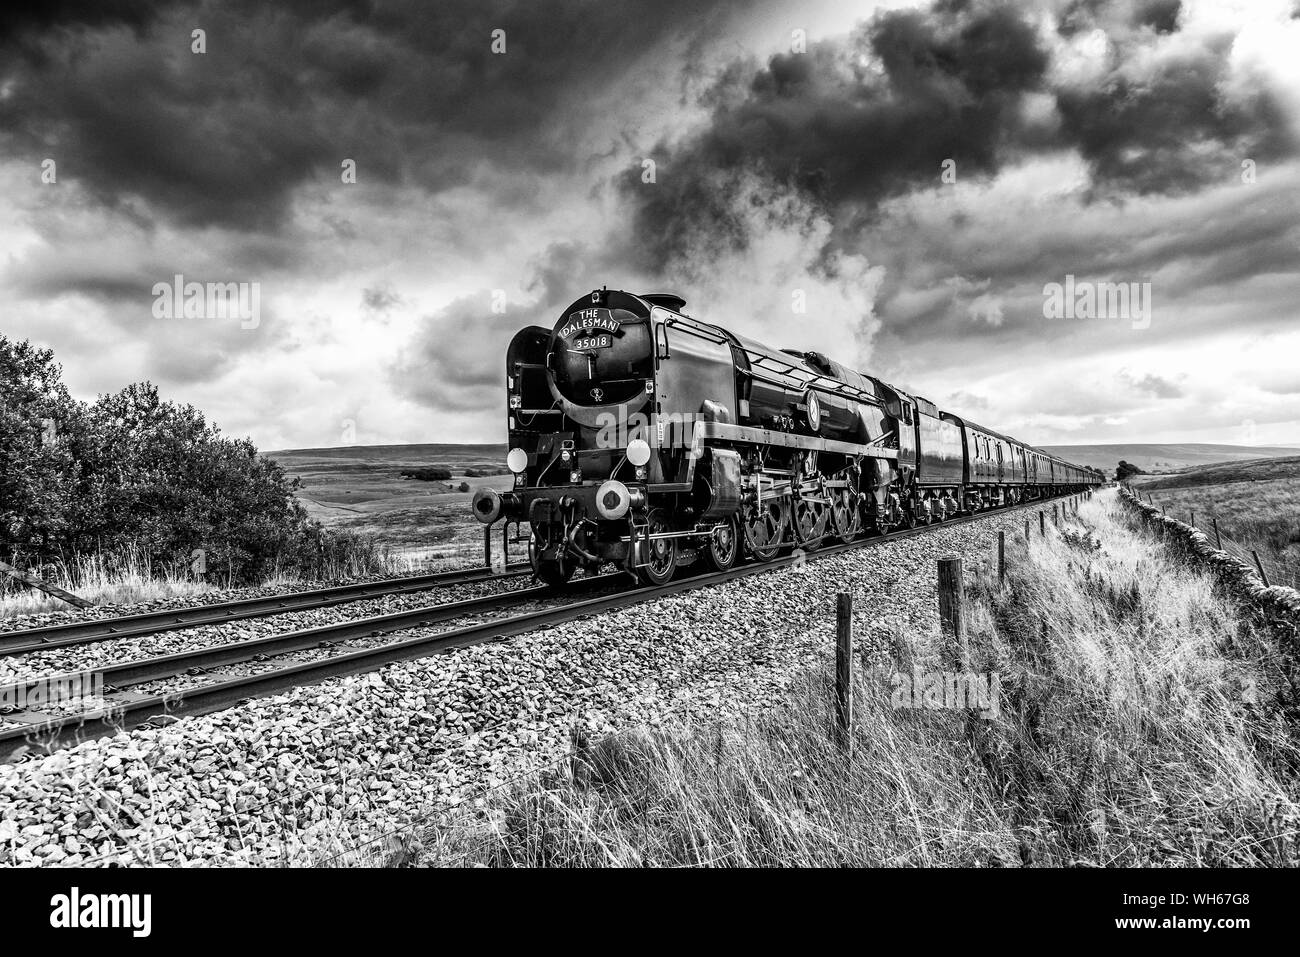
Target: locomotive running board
807,443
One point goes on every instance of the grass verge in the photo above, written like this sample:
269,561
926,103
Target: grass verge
1142,719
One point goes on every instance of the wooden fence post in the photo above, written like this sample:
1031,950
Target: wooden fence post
1218,540
42,585
1192,520
1002,556
1026,533
579,745
1042,523
1260,565
951,624
844,668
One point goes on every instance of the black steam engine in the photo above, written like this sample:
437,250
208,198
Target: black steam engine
642,436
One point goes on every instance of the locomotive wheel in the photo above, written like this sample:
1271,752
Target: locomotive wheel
724,545
660,553
811,521
925,516
551,571
846,516
764,528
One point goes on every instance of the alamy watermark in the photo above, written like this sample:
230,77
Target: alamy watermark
671,430
948,690
81,691
179,299
127,911
1083,299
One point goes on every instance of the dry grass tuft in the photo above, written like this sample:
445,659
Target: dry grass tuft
131,576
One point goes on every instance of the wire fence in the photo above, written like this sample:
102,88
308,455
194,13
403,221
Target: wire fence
1274,570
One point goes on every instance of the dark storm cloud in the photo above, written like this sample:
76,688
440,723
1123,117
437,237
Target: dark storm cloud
1083,15
1159,15
1169,126
1172,131
455,363
948,86
106,286
412,91
854,121
21,20
456,358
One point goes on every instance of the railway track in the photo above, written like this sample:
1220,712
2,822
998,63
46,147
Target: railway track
150,623
46,732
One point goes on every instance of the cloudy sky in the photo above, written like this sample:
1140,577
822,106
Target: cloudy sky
915,174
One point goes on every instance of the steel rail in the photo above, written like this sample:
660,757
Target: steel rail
116,677
204,699
171,619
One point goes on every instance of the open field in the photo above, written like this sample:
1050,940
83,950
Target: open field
1142,720
362,489
1164,457
1256,503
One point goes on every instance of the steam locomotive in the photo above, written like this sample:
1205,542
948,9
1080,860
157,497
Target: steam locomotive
642,436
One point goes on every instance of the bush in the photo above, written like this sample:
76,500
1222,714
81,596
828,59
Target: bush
433,473
133,472
1127,470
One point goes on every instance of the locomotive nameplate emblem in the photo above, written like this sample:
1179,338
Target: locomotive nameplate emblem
589,329
598,394
589,321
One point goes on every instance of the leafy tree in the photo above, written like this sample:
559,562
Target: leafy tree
1127,470
433,473
42,440
132,470
178,485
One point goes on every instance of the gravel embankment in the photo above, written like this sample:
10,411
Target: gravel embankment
324,769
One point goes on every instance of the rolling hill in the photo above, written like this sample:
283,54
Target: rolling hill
1223,473
1151,457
